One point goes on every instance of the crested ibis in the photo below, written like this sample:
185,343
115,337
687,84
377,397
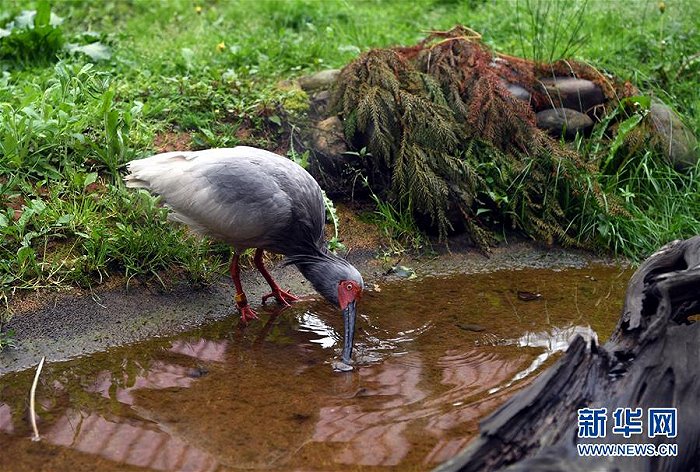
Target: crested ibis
251,198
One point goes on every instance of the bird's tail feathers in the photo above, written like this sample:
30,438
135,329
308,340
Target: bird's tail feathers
142,170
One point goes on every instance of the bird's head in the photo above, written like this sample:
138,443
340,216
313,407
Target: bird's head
333,277
350,286
340,283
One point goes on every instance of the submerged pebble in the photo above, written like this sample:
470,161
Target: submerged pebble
470,327
528,296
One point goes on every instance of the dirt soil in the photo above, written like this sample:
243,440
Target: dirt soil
69,324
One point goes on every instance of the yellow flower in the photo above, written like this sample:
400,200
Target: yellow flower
221,46
662,7
198,9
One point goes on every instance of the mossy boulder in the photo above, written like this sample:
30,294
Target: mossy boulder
676,141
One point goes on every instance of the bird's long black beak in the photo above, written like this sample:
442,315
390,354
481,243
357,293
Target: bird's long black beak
349,321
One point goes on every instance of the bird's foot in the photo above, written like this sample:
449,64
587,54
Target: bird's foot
282,297
247,314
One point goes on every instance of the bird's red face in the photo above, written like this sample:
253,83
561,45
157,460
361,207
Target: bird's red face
348,291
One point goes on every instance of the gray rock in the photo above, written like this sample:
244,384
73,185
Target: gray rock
322,79
679,143
518,91
319,102
570,92
329,161
340,366
565,121
403,272
323,95
328,137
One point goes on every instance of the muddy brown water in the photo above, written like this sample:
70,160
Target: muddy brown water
434,355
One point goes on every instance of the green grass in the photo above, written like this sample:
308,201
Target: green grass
68,123
397,225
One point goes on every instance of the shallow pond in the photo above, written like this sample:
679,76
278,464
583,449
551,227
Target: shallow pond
435,356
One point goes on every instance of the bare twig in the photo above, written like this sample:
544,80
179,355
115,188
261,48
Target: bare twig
32,402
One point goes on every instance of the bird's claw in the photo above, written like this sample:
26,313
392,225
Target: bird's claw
247,314
282,297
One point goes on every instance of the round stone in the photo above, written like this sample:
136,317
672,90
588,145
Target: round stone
569,92
558,121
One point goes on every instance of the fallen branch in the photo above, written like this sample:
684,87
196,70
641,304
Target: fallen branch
32,401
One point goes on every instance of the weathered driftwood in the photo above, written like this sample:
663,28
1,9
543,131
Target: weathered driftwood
651,360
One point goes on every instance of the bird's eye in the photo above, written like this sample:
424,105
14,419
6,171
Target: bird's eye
348,286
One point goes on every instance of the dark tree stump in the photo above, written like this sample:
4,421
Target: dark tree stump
651,360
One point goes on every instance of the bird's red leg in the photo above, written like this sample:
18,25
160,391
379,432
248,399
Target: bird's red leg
282,297
247,313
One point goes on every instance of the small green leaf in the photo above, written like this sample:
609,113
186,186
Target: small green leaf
24,253
43,14
90,178
107,100
622,131
38,205
276,120
187,56
64,219
27,239
335,245
639,100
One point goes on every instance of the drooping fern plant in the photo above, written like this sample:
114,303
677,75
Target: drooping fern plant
402,117
438,119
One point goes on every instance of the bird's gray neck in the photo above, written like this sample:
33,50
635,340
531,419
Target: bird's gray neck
325,271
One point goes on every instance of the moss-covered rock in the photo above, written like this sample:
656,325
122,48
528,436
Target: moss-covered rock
676,141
